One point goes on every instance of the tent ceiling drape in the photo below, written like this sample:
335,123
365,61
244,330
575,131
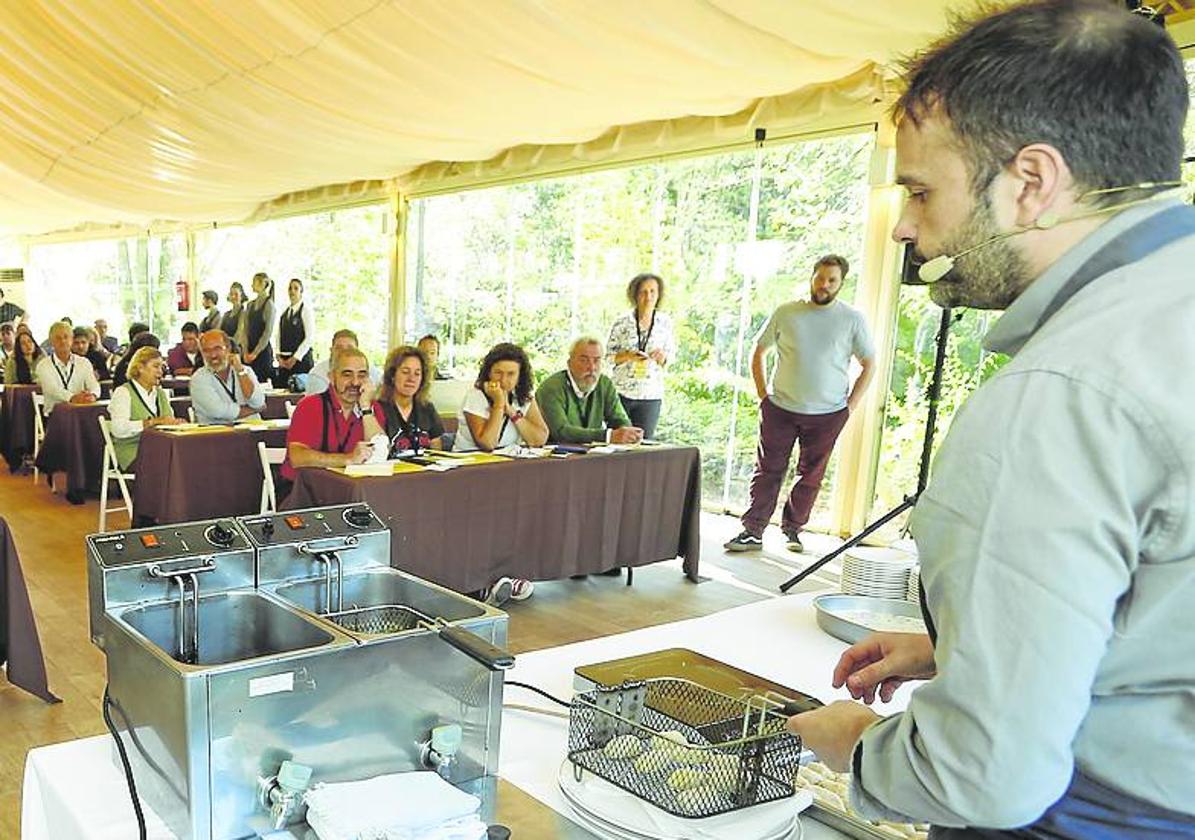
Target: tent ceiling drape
144,111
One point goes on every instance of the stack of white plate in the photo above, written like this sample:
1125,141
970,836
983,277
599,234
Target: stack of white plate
915,584
876,572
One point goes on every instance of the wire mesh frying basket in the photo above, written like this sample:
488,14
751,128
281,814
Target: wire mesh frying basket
686,749
387,618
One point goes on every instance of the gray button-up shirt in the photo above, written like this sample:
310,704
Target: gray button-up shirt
1057,543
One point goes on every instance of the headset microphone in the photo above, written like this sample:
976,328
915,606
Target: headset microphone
934,270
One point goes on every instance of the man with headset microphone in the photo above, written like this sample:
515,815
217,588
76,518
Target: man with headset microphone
1057,536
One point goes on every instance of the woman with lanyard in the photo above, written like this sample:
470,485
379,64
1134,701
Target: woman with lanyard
259,328
641,345
296,332
139,404
232,322
412,422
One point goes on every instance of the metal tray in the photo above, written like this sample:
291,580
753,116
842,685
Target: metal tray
830,609
683,663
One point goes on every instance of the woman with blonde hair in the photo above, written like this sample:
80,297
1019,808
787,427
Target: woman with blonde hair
139,404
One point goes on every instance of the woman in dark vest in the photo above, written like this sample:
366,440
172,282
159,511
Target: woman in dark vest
259,328
232,321
296,333
211,320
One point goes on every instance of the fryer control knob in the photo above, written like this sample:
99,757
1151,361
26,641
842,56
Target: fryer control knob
220,535
267,528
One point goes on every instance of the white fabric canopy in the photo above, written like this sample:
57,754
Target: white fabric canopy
123,112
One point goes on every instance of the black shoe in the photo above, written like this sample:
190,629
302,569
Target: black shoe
793,540
615,572
74,497
746,541
577,577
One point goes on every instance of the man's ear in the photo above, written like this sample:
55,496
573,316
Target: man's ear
1043,184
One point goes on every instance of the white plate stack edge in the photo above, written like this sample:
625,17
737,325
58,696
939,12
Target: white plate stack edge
876,572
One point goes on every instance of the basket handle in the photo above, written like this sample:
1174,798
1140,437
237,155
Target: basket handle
491,656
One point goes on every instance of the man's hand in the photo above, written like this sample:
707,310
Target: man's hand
360,453
626,434
832,731
365,400
762,393
884,661
234,359
286,362
83,398
245,411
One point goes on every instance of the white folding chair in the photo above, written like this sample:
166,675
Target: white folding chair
112,471
269,455
290,409
39,433
191,414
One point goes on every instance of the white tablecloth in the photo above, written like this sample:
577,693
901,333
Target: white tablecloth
777,639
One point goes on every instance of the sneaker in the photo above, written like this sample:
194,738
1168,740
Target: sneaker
793,541
746,541
520,590
499,592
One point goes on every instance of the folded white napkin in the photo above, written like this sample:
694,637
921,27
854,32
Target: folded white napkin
399,806
381,449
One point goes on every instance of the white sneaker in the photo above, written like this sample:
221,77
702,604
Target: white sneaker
520,590
500,592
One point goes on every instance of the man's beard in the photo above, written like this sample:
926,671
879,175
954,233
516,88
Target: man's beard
823,298
990,277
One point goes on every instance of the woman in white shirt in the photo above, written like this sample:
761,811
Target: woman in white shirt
641,345
500,411
139,404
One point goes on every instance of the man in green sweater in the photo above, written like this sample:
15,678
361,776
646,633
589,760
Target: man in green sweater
581,405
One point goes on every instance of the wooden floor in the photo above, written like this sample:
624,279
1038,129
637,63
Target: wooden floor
49,536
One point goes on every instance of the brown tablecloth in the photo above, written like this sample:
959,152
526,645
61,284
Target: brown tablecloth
276,405
536,519
19,644
200,476
74,445
17,407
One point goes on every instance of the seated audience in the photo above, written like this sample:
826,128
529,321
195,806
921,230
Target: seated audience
82,344
580,403
107,343
120,374
410,421
224,390
139,404
333,429
499,410
185,357
21,367
430,346
317,379
211,317
63,376
8,344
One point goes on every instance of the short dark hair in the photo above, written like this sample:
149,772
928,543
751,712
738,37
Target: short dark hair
638,280
143,339
833,260
506,352
190,327
345,334
429,337
136,328
7,327
211,295
1105,87
78,332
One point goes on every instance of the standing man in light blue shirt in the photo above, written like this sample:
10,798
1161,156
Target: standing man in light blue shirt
1057,535
810,399
224,390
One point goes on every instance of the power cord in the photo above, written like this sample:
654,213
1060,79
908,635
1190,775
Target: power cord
540,692
124,760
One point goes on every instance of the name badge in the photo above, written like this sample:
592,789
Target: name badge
641,369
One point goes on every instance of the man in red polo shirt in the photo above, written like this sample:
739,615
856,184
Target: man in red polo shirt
332,429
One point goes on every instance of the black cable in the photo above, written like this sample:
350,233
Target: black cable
124,760
540,692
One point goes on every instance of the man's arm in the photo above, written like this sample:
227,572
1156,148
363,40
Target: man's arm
1028,538
612,409
210,401
302,455
90,383
861,383
757,372
255,394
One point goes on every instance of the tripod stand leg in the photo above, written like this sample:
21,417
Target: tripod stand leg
853,541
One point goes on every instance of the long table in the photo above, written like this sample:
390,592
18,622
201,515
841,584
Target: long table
538,519
201,474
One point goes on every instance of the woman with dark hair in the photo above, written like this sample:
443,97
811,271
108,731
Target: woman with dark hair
411,421
296,334
19,369
211,320
641,345
259,328
499,410
121,374
232,322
